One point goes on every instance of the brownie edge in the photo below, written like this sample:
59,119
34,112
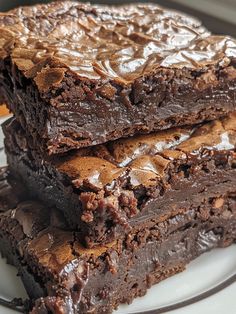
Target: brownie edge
77,75
117,188
63,277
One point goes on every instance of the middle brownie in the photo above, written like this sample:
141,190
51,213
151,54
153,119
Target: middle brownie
130,184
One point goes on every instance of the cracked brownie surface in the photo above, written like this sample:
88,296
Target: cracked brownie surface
61,276
116,187
79,75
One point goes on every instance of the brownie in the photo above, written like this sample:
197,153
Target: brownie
8,185
63,277
118,187
79,75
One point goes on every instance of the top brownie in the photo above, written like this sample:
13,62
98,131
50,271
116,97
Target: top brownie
78,75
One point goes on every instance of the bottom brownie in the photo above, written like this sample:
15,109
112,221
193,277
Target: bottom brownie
63,277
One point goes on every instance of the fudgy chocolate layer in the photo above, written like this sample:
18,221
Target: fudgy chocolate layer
63,277
112,189
79,75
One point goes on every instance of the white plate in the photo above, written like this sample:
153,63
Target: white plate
205,275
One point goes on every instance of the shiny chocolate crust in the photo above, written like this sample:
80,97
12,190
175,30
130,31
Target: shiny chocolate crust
63,277
79,75
111,189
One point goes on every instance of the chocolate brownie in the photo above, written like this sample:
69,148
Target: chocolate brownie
63,277
8,185
79,75
108,190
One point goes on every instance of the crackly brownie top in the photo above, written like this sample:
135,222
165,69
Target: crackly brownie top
120,43
145,158
142,159
52,252
43,236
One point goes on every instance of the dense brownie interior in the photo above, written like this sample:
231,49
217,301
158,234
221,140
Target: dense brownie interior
115,188
67,278
79,75
94,227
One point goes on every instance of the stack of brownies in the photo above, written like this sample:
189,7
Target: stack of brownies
121,150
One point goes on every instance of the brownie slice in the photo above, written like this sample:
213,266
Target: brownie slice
8,186
79,75
117,188
62,276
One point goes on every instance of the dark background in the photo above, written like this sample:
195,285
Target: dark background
216,25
